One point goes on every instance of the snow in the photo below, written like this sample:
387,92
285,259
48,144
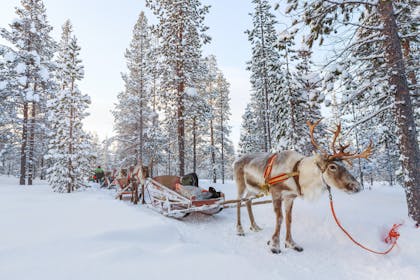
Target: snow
3,85
192,92
9,56
44,73
90,235
20,68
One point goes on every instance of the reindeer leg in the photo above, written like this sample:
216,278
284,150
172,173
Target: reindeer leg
275,239
288,205
239,229
254,226
240,182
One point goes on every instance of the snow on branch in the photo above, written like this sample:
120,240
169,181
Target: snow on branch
365,119
346,2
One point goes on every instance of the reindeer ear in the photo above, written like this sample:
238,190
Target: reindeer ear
317,158
320,160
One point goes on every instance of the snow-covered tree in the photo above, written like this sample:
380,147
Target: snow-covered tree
307,99
181,31
384,26
264,63
134,117
9,105
33,50
250,141
222,116
69,144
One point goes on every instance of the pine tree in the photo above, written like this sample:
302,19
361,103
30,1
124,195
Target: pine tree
181,32
133,115
264,63
222,116
288,104
30,36
69,145
308,98
323,18
8,111
250,141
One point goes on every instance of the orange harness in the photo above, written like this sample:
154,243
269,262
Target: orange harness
268,182
391,238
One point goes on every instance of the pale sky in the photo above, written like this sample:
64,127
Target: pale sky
104,30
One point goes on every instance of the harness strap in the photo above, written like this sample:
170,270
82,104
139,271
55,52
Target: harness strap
279,178
296,177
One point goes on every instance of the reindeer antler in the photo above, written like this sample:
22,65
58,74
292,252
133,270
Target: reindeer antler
336,133
364,154
341,154
311,132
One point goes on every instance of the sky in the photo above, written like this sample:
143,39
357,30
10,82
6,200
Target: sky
104,30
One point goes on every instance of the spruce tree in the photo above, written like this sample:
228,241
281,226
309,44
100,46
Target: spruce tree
325,17
69,144
222,116
133,115
181,31
34,47
250,141
264,63
10,102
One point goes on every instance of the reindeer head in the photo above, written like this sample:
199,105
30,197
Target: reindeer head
333,171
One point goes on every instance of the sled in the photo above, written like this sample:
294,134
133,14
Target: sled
163,195
127,188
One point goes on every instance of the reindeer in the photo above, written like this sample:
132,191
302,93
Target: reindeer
287,175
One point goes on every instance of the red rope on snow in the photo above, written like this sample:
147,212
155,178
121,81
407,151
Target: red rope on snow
392,236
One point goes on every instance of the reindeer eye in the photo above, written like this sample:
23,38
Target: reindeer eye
332,167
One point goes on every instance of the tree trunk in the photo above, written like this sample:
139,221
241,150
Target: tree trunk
358,148
31,144
213,155
194,145
70,185
180,95
223,145
267,129
181,130
222,136
22,180
409,148
411,74
42,176
140,158
389,165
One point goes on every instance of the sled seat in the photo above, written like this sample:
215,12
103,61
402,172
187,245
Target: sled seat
168,181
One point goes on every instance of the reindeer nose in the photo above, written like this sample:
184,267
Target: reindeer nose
355,187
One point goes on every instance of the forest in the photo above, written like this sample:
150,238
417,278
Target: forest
173,113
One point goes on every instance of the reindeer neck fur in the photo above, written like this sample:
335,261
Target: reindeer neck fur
252,169
310,178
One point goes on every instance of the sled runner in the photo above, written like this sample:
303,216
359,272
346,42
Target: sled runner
169,197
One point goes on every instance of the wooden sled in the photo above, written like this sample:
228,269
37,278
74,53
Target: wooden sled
128,187
162,195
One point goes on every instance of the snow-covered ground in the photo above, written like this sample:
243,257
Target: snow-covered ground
90,235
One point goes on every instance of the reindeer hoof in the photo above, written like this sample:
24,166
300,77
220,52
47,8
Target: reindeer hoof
275,251
299,249
294,247
240,231
255,228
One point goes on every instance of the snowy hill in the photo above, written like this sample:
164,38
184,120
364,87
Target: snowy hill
90,235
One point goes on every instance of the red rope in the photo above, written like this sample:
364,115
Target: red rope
392,237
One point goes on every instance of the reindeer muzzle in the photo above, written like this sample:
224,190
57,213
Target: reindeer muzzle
353,187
